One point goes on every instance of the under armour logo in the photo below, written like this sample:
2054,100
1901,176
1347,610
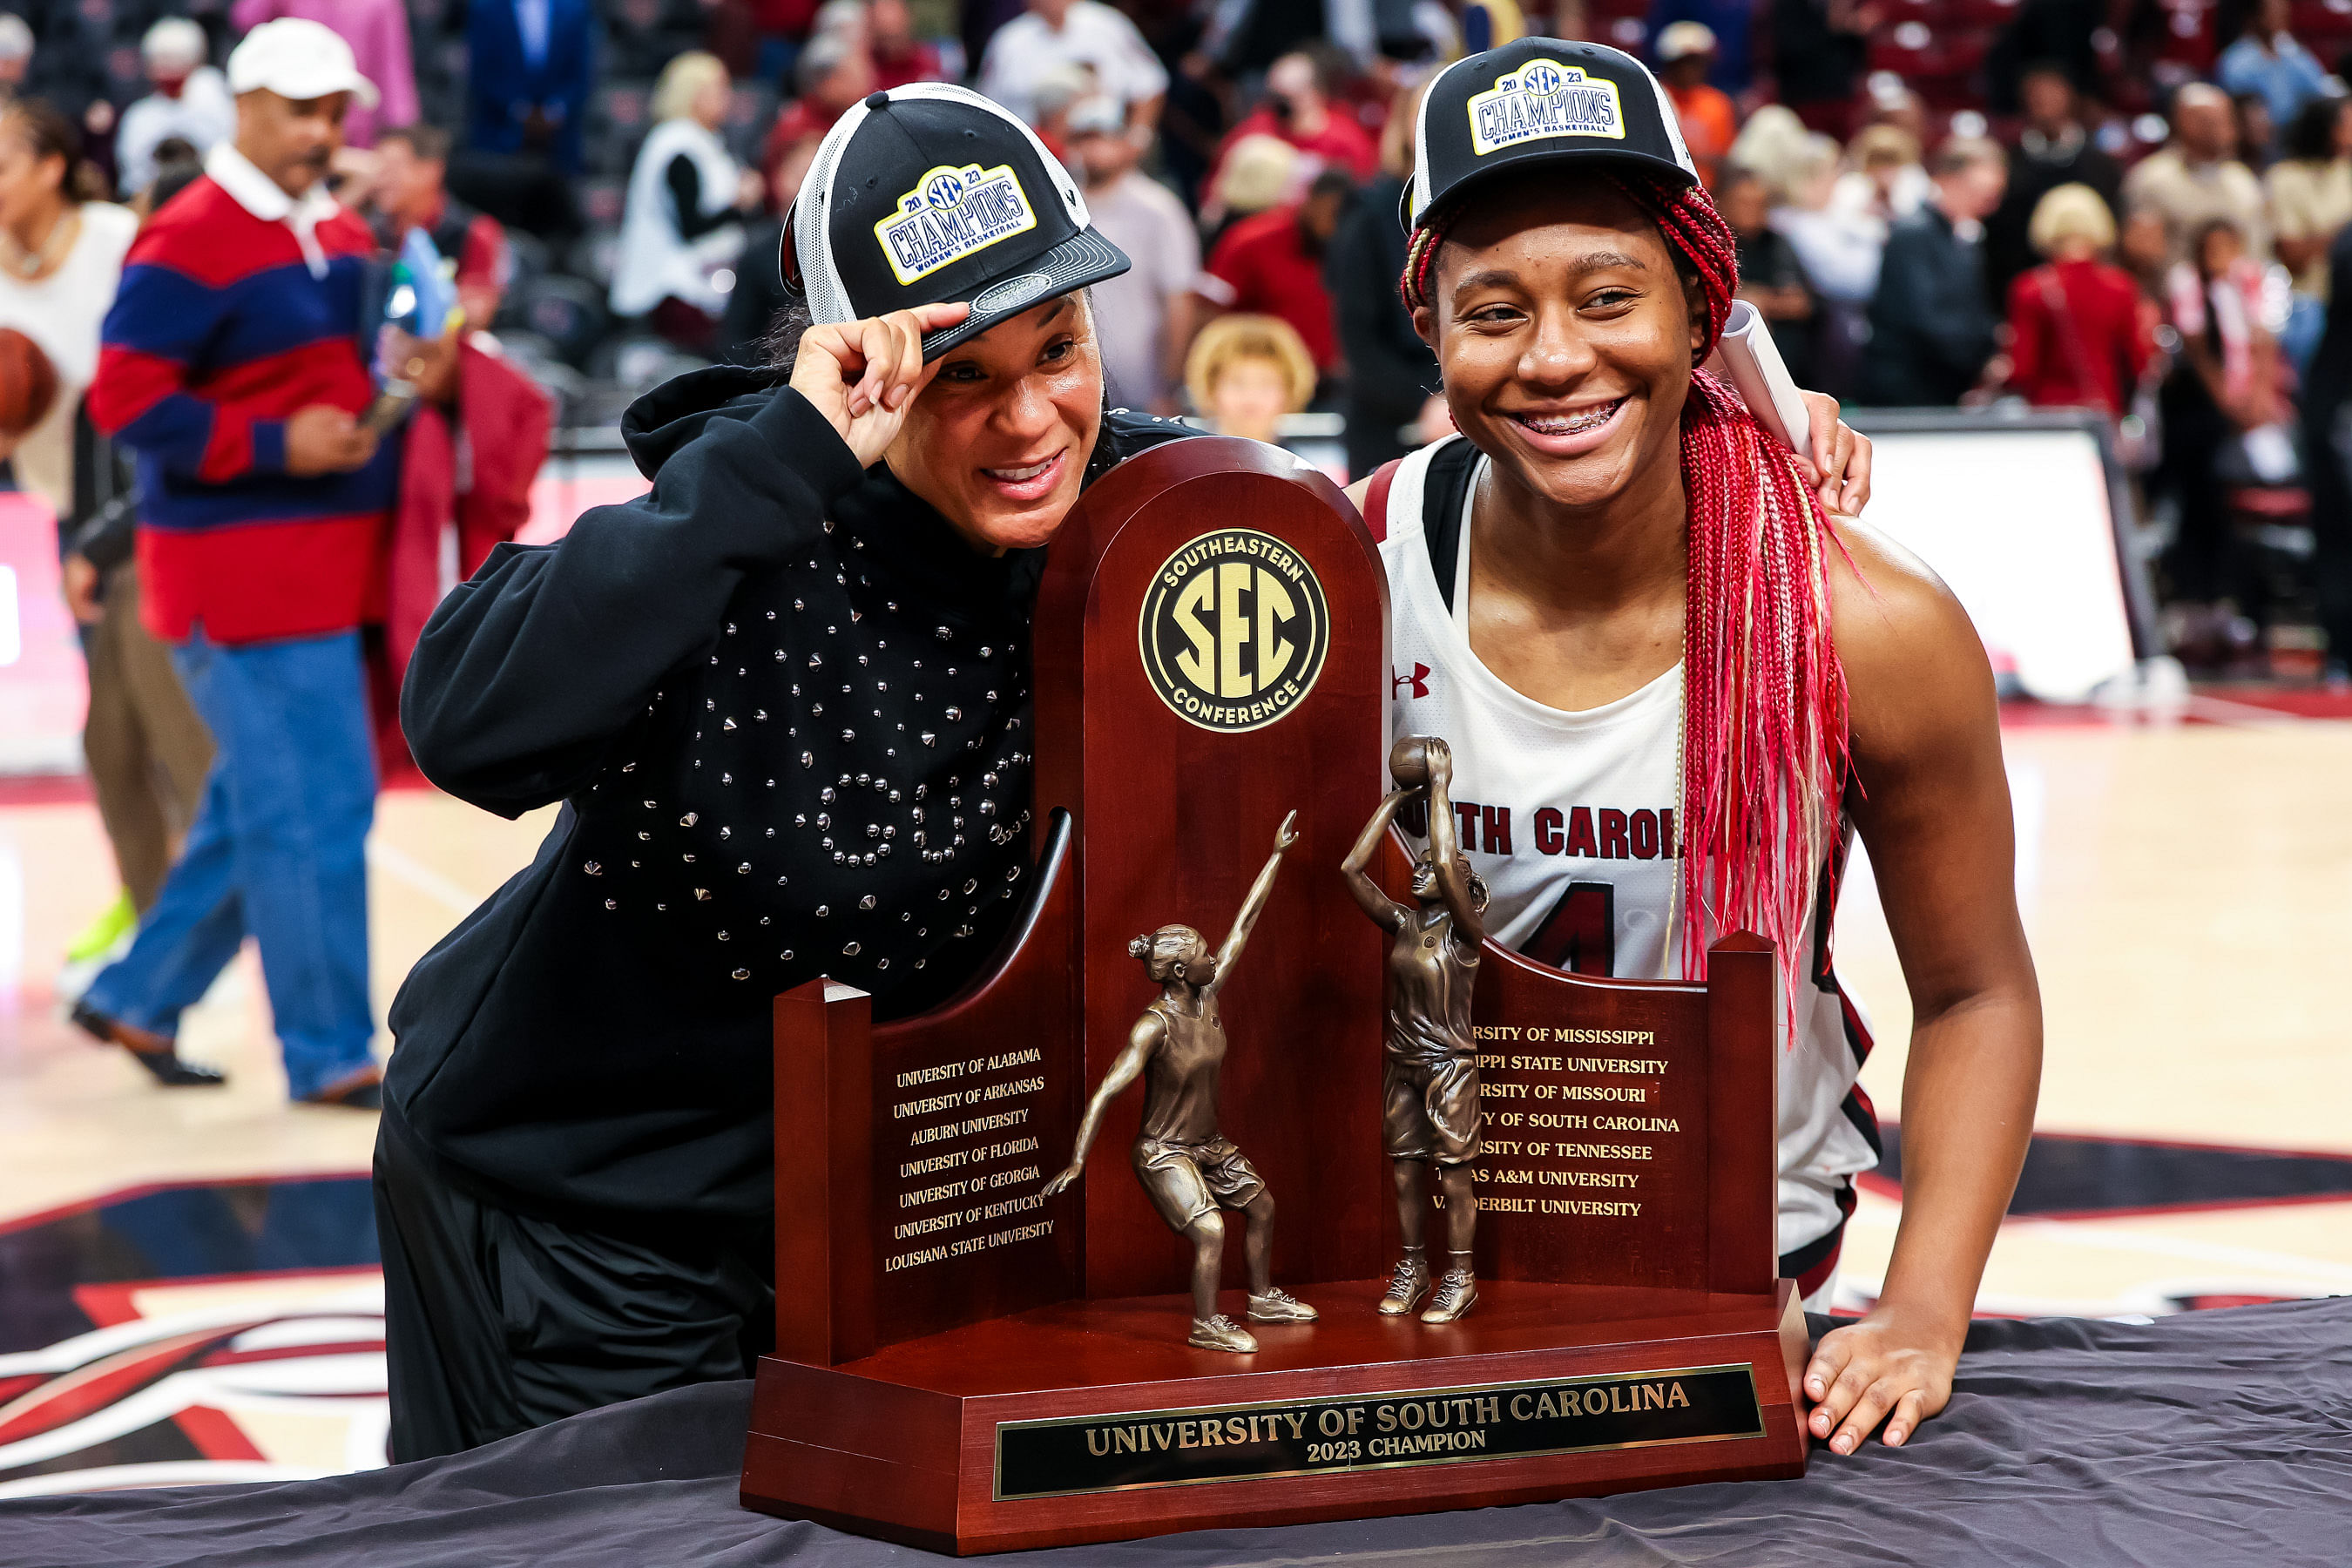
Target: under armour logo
1418,680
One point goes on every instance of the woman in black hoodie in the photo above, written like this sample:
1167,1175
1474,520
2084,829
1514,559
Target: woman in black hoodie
784,699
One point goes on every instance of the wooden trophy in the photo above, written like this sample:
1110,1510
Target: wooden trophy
965,1365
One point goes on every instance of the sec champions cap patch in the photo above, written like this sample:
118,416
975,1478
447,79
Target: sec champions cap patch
951,214
1543,98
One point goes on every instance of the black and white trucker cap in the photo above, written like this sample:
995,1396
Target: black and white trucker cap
1537,102
932,193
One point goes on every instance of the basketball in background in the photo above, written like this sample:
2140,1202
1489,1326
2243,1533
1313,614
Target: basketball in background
28,382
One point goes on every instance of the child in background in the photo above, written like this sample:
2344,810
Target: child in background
1245,372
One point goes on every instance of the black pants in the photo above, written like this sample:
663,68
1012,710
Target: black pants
2327,458
2203,564
496,1322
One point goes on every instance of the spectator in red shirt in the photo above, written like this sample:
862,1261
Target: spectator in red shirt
411,192
1271,264
2079,333
899,56
233,366
1297,109
834,72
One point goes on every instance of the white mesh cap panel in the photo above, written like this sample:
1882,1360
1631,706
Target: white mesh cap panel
828,299
1674,120
1421,145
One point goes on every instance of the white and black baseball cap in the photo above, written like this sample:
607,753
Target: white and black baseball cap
932,193
1537,102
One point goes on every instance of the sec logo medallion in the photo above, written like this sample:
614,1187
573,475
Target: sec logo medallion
1234,630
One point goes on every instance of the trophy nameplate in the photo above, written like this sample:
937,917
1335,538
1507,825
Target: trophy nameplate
969,1365
1070,1455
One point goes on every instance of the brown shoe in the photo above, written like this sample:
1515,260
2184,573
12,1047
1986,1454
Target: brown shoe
1407,1286
1456,1293
159,1053
1279,1306
358,1090
1221,1333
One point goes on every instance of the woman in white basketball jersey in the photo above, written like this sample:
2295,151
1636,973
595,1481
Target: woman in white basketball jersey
1674,689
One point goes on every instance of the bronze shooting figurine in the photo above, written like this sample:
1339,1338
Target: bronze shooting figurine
1189,1169
1429,1067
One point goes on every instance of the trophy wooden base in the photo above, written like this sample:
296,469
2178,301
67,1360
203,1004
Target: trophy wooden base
1092,1420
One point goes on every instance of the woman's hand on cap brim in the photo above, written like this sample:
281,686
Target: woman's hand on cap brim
864,375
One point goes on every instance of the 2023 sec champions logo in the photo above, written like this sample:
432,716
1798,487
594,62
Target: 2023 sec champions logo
1544,98
1234,629
951,214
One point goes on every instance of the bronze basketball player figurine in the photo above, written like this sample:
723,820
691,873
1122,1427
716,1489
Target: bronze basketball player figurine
1189,1168
1429,1068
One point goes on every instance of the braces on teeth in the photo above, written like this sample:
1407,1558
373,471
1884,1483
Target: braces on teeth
1553,426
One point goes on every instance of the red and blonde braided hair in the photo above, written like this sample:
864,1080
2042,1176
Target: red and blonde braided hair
1764,743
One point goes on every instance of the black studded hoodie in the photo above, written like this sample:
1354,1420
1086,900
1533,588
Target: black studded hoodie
787,710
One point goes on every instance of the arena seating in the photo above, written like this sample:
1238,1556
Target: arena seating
88,48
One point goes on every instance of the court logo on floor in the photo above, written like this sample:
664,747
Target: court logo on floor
192,1334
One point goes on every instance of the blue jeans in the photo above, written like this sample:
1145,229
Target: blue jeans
278,849
2306,319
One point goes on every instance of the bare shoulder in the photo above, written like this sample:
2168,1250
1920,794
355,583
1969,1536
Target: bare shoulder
1913,659
1886,605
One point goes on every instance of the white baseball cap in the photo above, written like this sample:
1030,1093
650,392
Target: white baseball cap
297,59
1682,39
174,40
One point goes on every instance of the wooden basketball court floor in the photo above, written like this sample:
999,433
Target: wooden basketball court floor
2187,886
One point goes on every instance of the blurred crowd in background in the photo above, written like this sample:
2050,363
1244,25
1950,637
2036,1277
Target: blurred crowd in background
2121,205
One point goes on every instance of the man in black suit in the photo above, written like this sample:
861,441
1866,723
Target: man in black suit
1931,321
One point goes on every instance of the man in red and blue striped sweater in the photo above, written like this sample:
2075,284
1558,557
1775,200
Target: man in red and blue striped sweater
235,366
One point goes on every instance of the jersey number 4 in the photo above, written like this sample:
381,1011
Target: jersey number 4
1581,934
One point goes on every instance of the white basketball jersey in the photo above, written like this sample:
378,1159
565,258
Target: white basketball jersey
1571,819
